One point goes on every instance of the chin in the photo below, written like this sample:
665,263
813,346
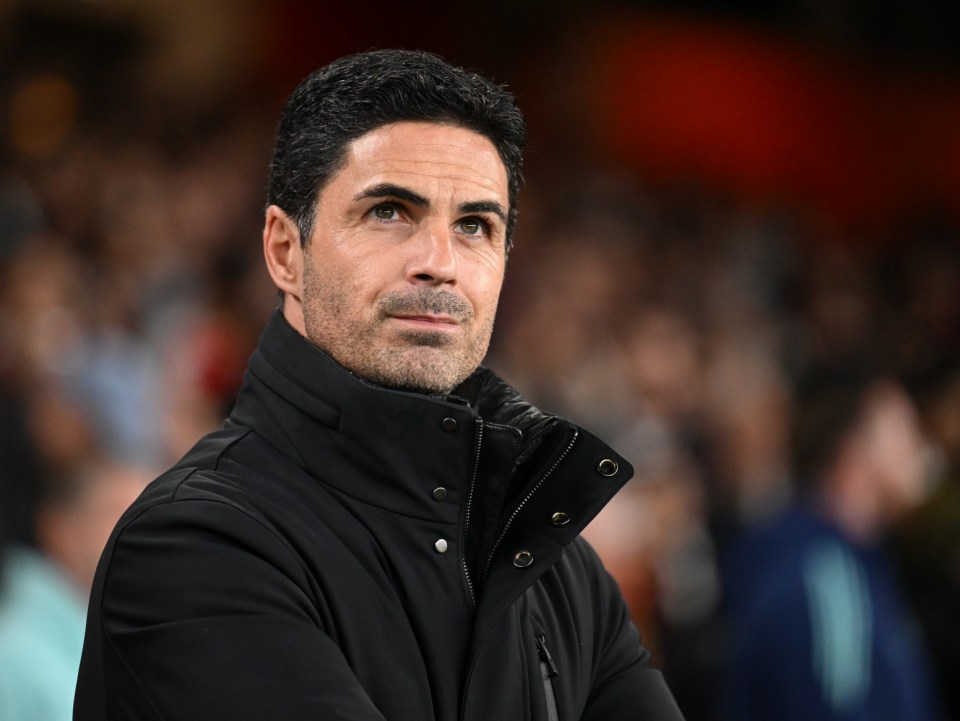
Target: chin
419,368
422,377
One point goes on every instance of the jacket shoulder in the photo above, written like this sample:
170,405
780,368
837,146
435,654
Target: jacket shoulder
205,462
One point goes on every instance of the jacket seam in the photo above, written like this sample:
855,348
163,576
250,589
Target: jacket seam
278,424
340,492
136,679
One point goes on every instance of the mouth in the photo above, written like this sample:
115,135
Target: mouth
426,321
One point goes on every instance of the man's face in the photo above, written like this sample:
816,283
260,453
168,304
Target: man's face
401,276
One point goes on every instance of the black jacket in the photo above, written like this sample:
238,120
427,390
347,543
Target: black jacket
345,551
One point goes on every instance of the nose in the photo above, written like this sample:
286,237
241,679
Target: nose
433,257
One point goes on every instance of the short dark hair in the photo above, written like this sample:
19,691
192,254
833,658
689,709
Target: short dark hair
358,93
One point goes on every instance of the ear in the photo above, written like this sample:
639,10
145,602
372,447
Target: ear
282,251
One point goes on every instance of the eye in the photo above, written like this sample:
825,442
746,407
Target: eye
385,211
474,226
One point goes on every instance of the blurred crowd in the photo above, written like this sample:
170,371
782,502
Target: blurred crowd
679,322
694,330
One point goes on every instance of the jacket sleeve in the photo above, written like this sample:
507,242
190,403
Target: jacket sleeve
202,612
625,687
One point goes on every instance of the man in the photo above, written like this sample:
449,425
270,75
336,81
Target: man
44,587
817,627
383,529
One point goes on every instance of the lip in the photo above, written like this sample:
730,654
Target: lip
426,320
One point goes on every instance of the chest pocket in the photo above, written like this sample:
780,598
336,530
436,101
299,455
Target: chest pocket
548,672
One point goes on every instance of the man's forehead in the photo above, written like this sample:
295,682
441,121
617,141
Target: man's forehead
441,149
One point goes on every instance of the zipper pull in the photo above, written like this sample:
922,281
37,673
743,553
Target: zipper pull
546,657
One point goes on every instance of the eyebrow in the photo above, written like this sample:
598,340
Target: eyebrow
484,206
389,190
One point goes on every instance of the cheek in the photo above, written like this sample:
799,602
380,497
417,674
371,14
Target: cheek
486,283
487,300
353,281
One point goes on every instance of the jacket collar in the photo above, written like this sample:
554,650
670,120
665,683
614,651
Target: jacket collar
542,479
294,394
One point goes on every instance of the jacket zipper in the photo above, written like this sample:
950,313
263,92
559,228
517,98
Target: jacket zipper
548,672
526,499
466,513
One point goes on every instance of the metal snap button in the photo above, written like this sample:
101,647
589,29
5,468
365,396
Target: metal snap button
523,559
607,467
439,493
449,424
560,518
440,546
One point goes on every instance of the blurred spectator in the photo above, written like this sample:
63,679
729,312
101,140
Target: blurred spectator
930,539
748,399
817,627
43,589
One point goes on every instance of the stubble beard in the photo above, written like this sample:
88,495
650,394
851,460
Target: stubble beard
421,361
